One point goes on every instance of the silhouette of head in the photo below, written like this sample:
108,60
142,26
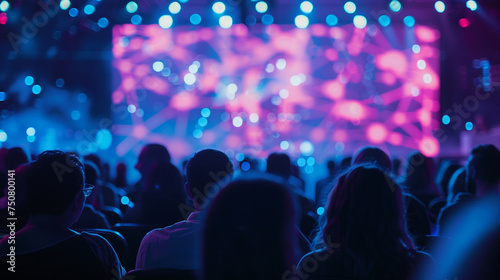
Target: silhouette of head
373,155
14,158
445,173
279,164
207,171
365,216
151,154
419,172
54,181
249,231
483,167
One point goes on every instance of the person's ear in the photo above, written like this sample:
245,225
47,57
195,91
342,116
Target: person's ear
187,188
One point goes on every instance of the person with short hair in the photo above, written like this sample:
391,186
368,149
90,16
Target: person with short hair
178,246
46,248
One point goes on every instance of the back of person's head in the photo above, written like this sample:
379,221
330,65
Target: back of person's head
396,166
373,155
419,172
446,170
279,164
165,178
249,164
121,175
365,216
485,162
249,231
91,173
155,153
53,181
14,158
457,184
206,172
331,167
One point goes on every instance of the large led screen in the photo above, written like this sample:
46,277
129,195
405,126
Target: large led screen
314,92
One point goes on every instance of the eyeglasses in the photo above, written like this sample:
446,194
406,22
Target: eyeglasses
87,190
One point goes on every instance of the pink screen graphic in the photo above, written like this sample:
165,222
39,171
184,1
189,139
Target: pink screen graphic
312,92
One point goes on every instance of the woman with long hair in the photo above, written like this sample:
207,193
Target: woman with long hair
363,233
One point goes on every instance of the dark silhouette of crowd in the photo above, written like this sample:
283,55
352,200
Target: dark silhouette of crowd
373,216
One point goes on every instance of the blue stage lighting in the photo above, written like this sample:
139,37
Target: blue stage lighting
469,126
225,21
36,89
64,5
195,19
267,19
409,21
89,9
331,20
395,6
384,20
131,7
29,80
472,5
136,19
3,136
103,22
73,12
446,119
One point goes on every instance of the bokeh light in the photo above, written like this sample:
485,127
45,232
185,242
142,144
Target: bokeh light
3,136
166,21
64,4
36,89
439,6
29,80
469,126
463,22
103,22
73,12
205,112
75,115
174,7
395,6
218,7
472,5
284,145
350,7
103,139
320,211
384,20
331,20
237,122
131,7
359,21
301,21
446,119
158,66
225,22
409,21
89,9
3,95
306,7
261,7
30,131
267,19
195,19
136,19
306,148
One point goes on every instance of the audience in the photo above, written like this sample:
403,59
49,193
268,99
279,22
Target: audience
178,246
250,231
363,234
46,248
252,227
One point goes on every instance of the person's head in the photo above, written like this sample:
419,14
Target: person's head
151,154
445,172
345,163
55,186
165,178
419,172
249,231
207,171
365,216
373,155
456,185
279,164
92,177
14,157
483,169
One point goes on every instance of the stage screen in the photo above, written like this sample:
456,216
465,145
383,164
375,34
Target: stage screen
313,92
